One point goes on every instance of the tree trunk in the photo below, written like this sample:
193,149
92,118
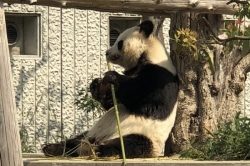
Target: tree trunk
10,147
205,98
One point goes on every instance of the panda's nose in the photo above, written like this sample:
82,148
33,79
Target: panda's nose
107,53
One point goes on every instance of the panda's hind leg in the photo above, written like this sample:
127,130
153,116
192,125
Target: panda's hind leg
136,146
64,148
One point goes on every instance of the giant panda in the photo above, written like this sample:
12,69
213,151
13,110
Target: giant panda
147,100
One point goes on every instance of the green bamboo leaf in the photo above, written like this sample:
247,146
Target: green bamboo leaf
209,132
194,47
196,56
176,38
185,40
209,56
230,46
236,42
245,47
193,38
247,31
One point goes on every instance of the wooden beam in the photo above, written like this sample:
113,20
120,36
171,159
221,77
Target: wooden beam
151,7
10,147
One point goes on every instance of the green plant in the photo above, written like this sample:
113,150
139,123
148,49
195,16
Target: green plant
24,136
85,102
229,142
186,38
238,35
187,42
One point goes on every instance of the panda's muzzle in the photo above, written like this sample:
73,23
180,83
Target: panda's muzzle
112,57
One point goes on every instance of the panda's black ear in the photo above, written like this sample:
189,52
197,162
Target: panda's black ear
147,27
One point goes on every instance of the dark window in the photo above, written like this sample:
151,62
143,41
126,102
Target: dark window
118,24
113,35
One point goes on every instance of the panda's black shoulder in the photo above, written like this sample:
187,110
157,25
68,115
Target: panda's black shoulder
153,71
145,67
162,94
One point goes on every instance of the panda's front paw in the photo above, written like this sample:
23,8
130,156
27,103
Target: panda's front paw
94,87
110,77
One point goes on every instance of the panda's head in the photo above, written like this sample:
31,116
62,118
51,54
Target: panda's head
135,42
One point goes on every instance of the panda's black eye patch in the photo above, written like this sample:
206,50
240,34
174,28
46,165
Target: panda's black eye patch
120,44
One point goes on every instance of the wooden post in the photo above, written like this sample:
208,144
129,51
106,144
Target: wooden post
10,147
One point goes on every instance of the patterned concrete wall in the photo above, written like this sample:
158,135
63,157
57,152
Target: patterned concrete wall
73,47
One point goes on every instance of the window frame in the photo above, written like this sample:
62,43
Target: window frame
38,27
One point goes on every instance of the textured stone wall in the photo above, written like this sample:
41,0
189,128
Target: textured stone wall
73,44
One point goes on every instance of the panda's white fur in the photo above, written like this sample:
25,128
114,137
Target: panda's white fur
139,51
135,45
156,130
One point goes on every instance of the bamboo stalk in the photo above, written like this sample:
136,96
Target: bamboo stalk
117,119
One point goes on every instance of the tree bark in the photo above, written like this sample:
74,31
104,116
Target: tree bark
10,147
205,98
158,24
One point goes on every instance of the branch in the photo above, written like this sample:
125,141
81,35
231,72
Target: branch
236,37
210,30
223,41
151,7
237,1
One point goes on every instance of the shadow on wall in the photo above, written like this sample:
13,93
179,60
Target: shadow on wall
43,121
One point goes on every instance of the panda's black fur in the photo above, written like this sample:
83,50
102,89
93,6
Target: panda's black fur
141,99
147,96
